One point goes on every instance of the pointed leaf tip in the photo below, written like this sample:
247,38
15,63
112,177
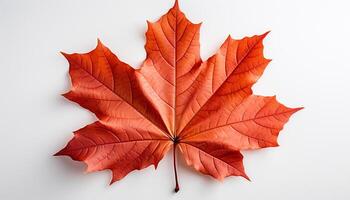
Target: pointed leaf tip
265,34
176,4
64,54
59,153
298,109
246,177
99,43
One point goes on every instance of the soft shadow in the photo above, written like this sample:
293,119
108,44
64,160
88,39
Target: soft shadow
68,165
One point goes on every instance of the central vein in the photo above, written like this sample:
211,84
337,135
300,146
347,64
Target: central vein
175,68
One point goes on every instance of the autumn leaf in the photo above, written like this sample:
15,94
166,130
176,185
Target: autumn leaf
174,100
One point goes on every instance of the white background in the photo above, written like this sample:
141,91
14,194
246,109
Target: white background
309,45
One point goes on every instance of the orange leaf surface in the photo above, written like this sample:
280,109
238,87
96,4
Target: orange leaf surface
175,100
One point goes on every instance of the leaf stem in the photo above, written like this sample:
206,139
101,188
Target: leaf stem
177,188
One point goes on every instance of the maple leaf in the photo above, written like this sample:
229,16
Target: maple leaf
206,109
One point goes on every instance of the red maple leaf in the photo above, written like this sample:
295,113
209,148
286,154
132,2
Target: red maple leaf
175,100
